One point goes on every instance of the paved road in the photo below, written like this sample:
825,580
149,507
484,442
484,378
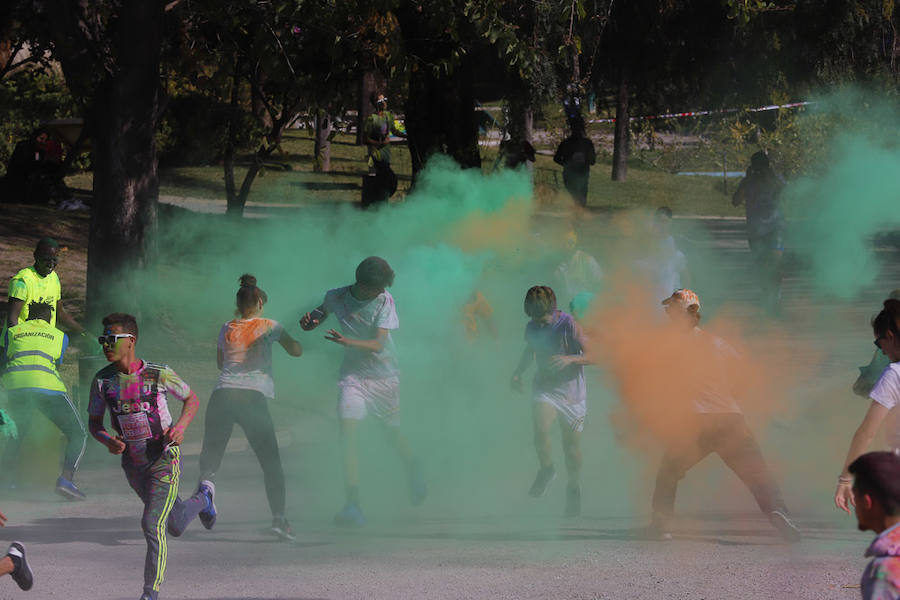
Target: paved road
487,540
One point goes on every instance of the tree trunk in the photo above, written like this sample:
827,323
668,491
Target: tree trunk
440,109
622,140
232,206
369,83
322,148
124,115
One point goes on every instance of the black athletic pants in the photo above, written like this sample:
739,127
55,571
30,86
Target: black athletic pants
249,410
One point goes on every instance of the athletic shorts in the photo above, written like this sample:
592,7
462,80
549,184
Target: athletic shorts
569,400
358,396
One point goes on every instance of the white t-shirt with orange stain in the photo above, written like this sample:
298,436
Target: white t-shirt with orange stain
246,346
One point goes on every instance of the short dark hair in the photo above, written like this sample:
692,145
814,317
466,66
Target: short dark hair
878,475
40,310
123,320
375,271
47,242
540,300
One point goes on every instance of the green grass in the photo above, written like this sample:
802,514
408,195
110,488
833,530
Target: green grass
289,178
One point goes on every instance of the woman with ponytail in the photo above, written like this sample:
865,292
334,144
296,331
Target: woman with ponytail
885,395
245,383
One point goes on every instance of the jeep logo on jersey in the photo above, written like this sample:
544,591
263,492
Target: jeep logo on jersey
131,407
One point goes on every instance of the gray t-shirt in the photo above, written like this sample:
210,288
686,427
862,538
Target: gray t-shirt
246,347
361,319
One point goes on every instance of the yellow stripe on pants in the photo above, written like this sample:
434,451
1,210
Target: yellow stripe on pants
164,516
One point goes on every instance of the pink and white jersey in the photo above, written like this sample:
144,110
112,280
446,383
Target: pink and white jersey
138,406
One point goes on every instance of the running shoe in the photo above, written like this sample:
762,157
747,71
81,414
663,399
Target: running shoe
786,529
67,490
282,529
150,596
21,574
654,532
417,489
544,476
350,516
573,501
208,515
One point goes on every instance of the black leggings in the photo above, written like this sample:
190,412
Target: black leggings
250,411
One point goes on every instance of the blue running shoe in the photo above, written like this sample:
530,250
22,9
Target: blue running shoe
67,490
417,489
150,596
350,516
208,515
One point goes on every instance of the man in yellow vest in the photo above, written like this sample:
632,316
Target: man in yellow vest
31,353
39,283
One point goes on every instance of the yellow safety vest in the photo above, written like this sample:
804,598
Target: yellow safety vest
29,287
33,347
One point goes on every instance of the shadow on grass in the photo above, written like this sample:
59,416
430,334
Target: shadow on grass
190,181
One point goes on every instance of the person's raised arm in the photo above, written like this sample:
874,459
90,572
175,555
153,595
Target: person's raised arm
66,319
865,433
13,311
515,381
290,345
374,345
311,320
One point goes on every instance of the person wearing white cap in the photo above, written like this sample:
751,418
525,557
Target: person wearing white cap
715,424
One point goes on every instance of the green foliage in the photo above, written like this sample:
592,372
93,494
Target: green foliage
27,98
194,129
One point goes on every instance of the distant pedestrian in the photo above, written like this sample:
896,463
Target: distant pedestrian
760,192
381,182
576,155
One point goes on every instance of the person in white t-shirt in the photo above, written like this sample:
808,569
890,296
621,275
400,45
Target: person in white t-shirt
716,425
370,377
885,395
244,356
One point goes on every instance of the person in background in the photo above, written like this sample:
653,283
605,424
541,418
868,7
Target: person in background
40,283
554,341
244,356
34,174
876,487
579,272
716,425
760,192
370,376
31,353
576,155
870,373
884,396
378,129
